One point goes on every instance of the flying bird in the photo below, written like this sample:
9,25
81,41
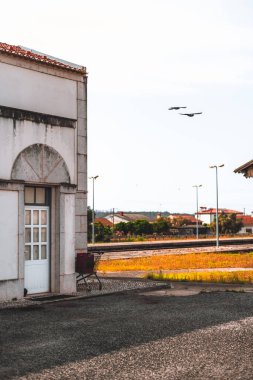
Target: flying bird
191,114
175,108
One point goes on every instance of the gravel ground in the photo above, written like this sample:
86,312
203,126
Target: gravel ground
175,251
108,286
137,334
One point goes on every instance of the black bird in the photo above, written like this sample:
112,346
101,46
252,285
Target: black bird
191,114
175,108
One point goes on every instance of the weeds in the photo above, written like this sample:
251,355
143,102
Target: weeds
235,277
179,261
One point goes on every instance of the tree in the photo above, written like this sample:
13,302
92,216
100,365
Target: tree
228,224
102,233
121,227
138,227
161,226
142,227
180,222
89,221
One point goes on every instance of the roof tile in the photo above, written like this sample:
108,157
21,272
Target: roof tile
39,57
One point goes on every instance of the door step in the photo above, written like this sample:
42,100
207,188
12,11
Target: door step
54,297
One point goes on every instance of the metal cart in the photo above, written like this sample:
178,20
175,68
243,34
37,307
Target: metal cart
86,264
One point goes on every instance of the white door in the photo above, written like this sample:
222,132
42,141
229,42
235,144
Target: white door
37,266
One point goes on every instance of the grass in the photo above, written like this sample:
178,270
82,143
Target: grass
179,261
188,261
235,277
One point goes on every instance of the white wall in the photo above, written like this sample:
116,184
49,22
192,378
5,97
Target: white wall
243,230
69,232
205,218
8,235
116,219
13,141
34,91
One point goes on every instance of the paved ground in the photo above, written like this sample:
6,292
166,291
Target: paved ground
137,334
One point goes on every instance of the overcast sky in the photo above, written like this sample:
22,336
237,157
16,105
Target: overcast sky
142,57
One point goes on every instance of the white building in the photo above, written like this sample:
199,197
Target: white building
125,217
208,215
43,168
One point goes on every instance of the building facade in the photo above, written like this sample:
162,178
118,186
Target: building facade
208,215
43,172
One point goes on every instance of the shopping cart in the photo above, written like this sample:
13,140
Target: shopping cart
86,264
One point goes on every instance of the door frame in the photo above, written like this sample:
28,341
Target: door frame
46,205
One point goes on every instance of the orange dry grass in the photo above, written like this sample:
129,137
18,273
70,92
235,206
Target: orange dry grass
215,276
187,261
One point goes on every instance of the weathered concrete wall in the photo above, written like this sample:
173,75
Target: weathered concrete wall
15,137
35,93
40,164
9,235
67,239
38,92
11,241
81,195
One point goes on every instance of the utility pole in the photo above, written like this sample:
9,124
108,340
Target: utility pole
217,202
93,208
197,219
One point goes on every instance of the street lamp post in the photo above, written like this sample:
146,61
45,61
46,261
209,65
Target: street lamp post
197,219
217,203
93,209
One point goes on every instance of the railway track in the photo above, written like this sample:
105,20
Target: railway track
238,244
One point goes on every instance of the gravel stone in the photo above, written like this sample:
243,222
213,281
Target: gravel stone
108,286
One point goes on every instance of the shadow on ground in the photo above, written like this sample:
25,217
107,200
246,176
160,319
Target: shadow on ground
39,337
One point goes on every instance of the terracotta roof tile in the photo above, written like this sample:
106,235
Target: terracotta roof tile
104,221
39,57
220,210
246,219
189,217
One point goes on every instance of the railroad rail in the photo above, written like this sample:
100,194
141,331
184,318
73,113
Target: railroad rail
176,244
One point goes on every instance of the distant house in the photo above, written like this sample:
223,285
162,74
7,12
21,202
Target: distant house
247,171
247,224
105,222
187,217
126,217
208,215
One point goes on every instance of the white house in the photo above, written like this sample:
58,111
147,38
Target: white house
43,186
208,215
126,217
247,227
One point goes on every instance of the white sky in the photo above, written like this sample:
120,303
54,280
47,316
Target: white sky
142,57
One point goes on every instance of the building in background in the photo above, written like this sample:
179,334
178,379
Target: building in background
247,227
105,222
43,186
126,217
247,170
208,215
187,219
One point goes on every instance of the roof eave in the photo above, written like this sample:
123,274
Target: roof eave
40,58
243,168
